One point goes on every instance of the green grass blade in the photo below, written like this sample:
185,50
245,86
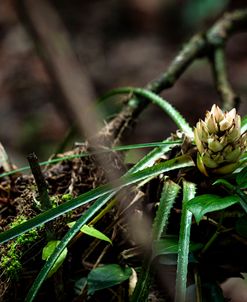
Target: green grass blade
156,99
179,162
164,143
161,145
184,243
168,196
244,124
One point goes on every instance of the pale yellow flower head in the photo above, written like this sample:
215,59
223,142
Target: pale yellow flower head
219,141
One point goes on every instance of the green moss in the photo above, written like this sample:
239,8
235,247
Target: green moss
66,197
20,219
10,262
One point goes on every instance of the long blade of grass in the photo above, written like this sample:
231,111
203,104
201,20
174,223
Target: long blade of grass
161,145
149,159
189,190
179,162
156,99
168,196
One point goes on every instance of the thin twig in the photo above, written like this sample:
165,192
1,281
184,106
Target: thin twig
223,86
40,182
191,50
229,24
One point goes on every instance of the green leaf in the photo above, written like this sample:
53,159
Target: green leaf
91,231
241,178
107,276
207,203
48,251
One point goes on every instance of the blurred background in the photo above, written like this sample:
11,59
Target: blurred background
118,43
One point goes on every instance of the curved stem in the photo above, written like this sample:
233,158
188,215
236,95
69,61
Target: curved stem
156,99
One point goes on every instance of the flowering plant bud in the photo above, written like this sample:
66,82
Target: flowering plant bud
219,141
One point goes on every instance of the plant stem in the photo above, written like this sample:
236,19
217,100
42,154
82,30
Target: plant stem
168,196
184,242
198,285
210,241
231,22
